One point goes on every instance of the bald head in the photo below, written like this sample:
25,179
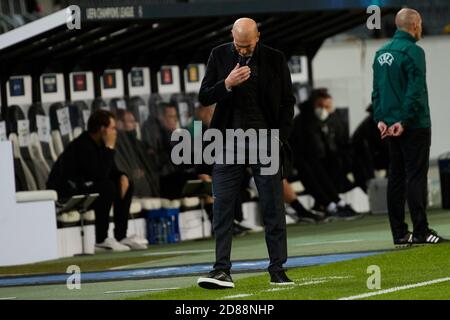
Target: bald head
409,20
245,28
245,35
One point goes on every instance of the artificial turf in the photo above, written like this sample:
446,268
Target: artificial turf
343,279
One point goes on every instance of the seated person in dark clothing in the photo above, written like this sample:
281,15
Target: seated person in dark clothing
370,153
302,214
87,166
329,144
151,137
132,159
172,177
315,141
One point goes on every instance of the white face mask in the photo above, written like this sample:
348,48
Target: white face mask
321,113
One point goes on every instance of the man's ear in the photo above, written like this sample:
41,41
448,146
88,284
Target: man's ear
416,24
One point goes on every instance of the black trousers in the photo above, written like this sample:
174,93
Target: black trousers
316,181
110,193
226,183
409,160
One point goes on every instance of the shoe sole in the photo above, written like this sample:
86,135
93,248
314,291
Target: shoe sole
403,245
214,284
427,243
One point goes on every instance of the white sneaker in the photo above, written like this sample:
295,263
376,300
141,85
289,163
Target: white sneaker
133,244
140,240
111,244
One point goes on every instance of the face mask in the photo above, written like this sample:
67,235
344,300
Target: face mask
321,113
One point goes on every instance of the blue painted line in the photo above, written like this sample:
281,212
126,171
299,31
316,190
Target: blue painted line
176,270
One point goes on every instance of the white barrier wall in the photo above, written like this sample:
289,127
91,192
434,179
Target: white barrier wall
27,230
346,69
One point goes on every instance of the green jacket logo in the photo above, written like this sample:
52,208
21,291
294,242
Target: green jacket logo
385,58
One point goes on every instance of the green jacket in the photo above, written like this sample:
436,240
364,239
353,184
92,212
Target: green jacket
400,91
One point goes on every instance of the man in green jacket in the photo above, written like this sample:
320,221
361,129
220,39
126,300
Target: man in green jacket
402,113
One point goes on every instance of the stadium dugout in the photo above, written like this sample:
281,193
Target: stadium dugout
124,35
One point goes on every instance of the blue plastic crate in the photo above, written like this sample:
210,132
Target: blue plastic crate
162,226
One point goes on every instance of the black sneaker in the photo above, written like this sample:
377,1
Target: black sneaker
311,216
431,237
216,279
345,213
406,240
280,279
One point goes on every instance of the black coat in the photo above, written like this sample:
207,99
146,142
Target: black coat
314,140
274,92
82,163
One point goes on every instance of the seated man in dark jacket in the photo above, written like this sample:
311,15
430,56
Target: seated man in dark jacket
87,166
132,158
172,177
318,155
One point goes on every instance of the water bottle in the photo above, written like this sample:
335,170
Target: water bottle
169,230
164,230
160,232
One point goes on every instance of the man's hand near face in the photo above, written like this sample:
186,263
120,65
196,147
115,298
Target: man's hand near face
109,137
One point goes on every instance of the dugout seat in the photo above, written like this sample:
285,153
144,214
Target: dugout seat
99,103
40,145
60,138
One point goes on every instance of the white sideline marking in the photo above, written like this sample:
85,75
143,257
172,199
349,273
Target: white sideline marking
327,242
292,286
279,289
8,298
409,286
140,290
311,282
242,295
325,278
